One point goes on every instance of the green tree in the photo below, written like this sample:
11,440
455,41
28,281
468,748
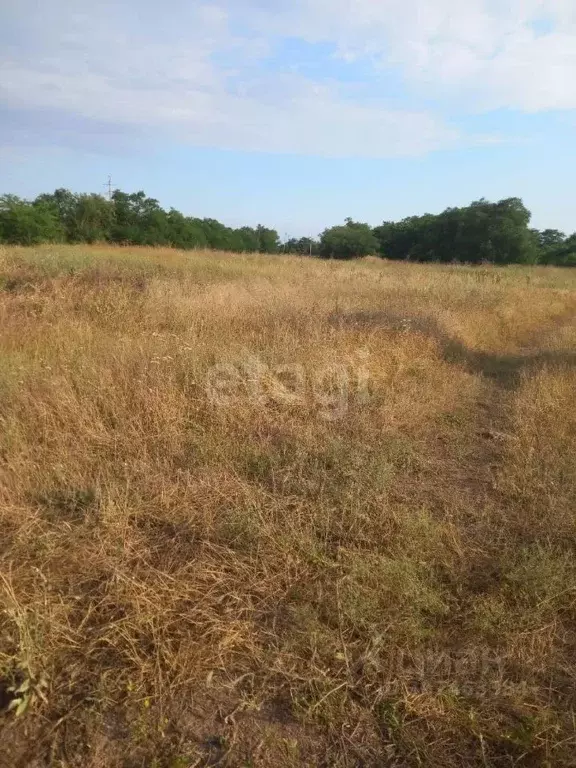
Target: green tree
220,237
556,248
92,219
84,218
550,238
138,220
268,240
349,241
248,239
566,256
22,223
184,231
304,246
482,231
62,203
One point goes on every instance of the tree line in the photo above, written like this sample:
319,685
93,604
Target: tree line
482,232
130,219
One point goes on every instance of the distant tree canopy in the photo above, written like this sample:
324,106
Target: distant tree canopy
483,231
305,246
23,223
497,233
349,241
555,248
132,219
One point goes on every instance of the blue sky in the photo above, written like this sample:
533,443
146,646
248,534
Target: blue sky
295,113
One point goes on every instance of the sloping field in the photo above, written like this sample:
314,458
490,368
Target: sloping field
265,511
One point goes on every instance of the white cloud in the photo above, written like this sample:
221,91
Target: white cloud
486,53
198,71
296,116
196,78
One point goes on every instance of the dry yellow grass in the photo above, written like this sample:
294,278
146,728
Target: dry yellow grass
269,511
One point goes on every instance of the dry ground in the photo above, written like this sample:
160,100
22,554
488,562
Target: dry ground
263,511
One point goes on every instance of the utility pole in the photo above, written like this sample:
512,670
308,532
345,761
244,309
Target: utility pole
110,187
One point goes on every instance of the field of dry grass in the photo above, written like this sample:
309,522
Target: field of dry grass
267,511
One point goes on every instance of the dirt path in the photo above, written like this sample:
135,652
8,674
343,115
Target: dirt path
462,472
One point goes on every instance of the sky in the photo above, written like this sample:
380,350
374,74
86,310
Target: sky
294,113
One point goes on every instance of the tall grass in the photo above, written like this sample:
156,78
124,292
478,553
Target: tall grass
281,512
